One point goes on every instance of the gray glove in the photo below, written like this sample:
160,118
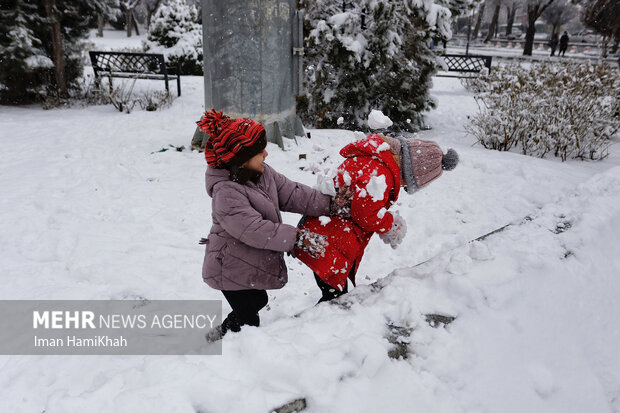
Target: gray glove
314,244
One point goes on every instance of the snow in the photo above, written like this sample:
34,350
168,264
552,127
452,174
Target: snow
325,184
383,147
377,120
376,187
381,213
92,211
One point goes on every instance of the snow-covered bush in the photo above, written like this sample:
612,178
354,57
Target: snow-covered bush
176,33
371,54
567,110
123,96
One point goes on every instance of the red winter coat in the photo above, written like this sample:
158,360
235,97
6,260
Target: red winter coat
371,171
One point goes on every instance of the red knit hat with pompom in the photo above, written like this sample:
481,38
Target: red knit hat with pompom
231,141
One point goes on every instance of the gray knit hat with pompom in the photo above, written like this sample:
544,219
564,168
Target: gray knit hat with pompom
422,161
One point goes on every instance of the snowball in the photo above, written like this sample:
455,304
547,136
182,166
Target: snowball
325,185
377,120
376,187
340,121
325,220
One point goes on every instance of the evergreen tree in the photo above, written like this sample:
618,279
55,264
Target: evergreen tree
374,54
459,7
30,34
176,32
23,60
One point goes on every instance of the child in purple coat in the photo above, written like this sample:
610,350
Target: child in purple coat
244,253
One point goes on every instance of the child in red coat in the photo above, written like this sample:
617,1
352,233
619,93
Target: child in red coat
374,170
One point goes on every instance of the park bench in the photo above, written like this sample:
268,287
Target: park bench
465,65
133,66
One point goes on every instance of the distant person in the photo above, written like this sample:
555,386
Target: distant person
554,43
563,44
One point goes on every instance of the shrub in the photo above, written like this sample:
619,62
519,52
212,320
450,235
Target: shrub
567,110
174,31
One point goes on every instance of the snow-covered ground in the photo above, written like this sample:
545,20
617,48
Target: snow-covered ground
91,210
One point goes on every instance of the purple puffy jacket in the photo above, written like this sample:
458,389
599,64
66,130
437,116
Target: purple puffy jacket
246,245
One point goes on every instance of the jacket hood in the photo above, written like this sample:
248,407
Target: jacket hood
215,176
373,145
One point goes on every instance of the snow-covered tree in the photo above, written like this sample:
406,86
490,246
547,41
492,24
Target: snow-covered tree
45,39
128,6
559,13
374,54
511,13
23,59
458,7
151,7
106,11
175,32
494,20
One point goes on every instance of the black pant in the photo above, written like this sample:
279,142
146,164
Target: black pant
328,292
245,306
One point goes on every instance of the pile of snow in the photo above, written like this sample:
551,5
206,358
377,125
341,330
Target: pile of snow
377,120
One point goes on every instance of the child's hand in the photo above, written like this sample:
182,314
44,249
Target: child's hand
311,242
340,204
396,234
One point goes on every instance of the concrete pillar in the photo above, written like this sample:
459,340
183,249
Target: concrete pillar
249,65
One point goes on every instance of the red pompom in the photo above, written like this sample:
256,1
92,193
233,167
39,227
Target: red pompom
212,122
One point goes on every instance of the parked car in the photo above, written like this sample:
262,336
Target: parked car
516,34
584,36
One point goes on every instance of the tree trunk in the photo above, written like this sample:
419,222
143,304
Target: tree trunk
532,16
511,12
57,49
135,24
150,12
128,20
604,46
533,13
478,21
494,20
100,22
